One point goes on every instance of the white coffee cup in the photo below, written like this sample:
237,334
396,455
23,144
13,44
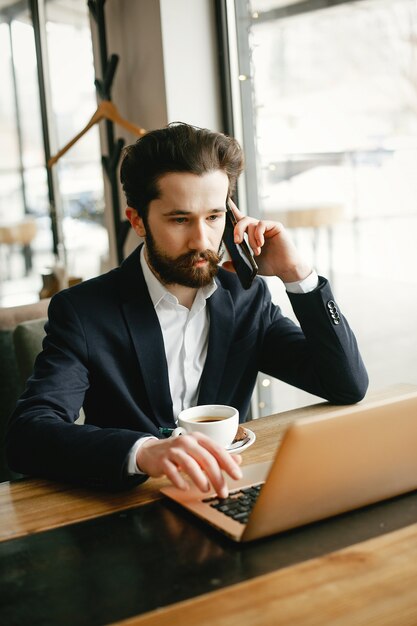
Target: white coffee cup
217,421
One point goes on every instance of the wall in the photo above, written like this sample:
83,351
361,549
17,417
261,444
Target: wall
190,62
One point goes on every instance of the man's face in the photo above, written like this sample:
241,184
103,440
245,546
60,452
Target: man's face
184,227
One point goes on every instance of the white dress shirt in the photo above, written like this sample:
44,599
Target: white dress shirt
185,334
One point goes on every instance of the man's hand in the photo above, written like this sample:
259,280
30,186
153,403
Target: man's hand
193,454
271,244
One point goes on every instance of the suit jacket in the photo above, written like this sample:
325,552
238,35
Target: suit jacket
104,351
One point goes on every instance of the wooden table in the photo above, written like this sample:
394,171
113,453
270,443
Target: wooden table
67,551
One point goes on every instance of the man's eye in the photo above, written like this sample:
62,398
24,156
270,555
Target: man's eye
214,218
180,220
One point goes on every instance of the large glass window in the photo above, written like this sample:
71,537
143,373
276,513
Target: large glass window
79,171
23,187
331,98
9,186
26,240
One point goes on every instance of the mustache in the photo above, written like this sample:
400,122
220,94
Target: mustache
187,260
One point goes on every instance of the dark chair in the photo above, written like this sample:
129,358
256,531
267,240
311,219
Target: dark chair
11,377
27,340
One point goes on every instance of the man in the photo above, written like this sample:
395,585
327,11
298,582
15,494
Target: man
168,329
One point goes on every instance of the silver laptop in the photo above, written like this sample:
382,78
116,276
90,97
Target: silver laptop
325,465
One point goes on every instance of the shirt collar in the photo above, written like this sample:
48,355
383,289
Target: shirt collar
158,292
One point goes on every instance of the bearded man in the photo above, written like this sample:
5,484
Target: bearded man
171,328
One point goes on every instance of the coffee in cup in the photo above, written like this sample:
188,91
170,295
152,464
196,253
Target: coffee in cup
217,421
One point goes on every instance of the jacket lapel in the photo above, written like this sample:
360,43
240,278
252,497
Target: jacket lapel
147,339
222,316
148,342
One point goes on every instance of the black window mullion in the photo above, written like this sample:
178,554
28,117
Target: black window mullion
53,197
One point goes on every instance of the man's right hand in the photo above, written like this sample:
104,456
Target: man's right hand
195,455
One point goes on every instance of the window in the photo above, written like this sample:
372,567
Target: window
27,190
330,98
23,184
73,100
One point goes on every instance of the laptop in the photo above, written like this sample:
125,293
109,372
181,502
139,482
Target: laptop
324,466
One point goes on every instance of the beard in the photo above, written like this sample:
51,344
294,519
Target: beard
182,270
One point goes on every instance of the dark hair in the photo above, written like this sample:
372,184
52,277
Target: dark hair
178,147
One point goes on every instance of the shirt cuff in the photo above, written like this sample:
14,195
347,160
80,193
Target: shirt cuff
132,467
303,286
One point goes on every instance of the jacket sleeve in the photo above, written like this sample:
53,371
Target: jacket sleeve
321,356
42,438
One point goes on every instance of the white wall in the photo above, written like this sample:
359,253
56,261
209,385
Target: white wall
190,62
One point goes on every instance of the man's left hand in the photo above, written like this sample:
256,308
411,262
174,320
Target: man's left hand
275,252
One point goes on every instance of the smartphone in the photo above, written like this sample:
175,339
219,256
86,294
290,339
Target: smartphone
240,253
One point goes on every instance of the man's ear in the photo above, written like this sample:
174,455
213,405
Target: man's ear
135,221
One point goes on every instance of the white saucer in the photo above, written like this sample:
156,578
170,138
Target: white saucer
244,445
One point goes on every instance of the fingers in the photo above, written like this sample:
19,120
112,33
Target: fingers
194,455
256,236
236,211
203,461
257,231
272,243
172,472
226,461
198,469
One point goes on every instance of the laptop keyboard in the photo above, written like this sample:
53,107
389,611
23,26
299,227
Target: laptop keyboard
238,505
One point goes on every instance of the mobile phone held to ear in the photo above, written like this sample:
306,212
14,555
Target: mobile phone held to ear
240,253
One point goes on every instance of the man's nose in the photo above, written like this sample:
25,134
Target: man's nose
198,237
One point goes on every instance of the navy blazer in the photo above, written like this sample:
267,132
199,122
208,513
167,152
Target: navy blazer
104,351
